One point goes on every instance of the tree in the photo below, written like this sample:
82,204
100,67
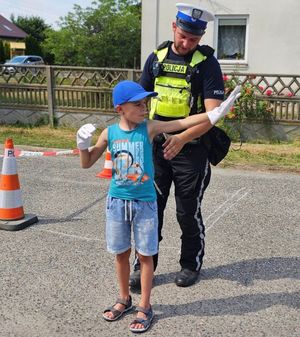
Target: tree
68,44
33,47
107,35
36,29
65,47
119,35
34,26
2,52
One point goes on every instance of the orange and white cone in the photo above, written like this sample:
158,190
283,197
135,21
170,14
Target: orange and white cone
11,206
107,170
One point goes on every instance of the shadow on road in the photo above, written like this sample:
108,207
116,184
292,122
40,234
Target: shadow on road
243,273
247,271
238,305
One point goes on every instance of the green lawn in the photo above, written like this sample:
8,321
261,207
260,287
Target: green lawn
282,157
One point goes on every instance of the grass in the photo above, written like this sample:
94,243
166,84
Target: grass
43,136
279,157
275,157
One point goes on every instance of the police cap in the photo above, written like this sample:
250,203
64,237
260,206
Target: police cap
192,19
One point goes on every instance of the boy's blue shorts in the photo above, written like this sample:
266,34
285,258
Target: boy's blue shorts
121,215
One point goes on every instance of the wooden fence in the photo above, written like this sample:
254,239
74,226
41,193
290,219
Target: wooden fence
57,89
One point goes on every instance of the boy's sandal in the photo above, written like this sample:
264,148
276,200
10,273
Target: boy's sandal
145,322
117,313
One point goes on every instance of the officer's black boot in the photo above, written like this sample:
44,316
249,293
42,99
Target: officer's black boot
186,277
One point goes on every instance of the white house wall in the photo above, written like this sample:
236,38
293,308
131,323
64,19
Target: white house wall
273,39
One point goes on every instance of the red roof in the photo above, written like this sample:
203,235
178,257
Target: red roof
10,30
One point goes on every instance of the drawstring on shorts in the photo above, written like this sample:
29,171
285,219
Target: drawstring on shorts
128,203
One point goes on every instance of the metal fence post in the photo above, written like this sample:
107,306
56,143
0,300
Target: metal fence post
50,94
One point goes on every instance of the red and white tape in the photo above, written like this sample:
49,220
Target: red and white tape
20,153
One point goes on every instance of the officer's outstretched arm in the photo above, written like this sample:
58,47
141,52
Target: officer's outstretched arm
225,106
204,120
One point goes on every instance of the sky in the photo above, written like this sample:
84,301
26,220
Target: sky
49,10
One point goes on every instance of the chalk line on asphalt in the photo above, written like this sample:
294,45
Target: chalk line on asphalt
225,211
233,202
208,227
68,235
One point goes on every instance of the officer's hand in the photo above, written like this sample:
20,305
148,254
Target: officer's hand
225,106
84,136
172,146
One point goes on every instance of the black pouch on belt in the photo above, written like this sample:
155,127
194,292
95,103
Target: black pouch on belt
217,143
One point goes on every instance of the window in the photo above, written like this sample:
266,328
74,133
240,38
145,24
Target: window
7,28
231,38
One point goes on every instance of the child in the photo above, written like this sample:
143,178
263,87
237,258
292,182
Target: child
131,200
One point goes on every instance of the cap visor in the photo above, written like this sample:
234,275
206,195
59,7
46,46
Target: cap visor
143,95
189,28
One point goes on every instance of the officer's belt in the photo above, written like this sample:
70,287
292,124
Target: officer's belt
160,139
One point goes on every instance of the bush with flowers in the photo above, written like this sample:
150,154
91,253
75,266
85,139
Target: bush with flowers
250,106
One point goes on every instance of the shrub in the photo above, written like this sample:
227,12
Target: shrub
251,105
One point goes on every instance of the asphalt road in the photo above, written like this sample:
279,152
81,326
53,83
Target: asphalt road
56,276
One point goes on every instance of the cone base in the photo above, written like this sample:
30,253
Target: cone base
16,225
104,175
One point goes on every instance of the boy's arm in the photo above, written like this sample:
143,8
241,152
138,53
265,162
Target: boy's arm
84,136
156,127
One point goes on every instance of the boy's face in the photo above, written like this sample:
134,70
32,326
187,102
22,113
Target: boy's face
134,112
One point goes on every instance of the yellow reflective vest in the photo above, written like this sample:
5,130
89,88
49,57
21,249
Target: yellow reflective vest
173,84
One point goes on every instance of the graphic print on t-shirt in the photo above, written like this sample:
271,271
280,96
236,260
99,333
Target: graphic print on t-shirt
128,162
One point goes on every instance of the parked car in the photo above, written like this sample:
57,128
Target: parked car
22,60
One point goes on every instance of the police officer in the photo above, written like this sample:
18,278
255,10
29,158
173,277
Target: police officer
188,80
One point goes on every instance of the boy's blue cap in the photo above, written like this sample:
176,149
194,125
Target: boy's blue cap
129,91
192,19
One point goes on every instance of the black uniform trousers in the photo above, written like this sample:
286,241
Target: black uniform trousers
190,172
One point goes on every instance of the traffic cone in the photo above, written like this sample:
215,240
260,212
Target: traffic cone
108,164
12,215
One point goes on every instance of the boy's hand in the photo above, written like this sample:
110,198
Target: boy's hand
84,136
222,110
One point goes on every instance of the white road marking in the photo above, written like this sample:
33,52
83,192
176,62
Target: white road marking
68,235
225,211
208,227
232,203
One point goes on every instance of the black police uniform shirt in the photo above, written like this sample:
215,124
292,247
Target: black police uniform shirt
209,77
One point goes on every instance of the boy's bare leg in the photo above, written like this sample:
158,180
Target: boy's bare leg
147,271
123,271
